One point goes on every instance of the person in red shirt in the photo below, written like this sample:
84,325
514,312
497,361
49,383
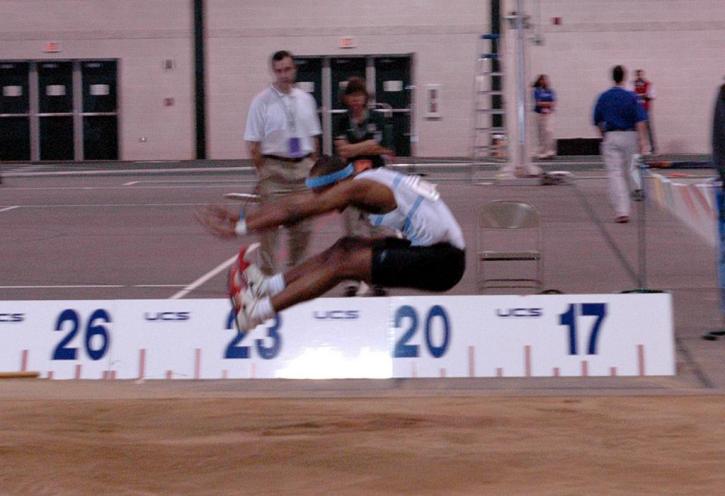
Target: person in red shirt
646,94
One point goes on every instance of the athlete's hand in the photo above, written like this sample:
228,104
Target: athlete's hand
217,220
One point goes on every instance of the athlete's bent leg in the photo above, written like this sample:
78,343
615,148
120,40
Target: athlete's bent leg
348,258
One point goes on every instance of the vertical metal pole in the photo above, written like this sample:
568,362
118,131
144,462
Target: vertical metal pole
370,80
521,86
199,80
413,125
78,154
720,202
641,225
326,107
33,94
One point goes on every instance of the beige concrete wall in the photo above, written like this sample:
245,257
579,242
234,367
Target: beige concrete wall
441,35
680,44
141,34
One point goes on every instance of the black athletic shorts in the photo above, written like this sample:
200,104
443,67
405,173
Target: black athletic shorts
397,264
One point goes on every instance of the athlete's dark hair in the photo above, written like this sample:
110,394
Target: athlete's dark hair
280,55
618,74
327,164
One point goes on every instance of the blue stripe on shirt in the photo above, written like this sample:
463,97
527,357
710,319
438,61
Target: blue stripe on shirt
409,218
396,182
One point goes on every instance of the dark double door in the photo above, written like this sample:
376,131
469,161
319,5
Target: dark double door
389,83
14,111
58,110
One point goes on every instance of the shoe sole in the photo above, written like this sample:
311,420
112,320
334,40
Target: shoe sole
233,289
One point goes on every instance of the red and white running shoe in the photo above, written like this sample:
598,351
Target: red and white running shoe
246,271
245,285
244,317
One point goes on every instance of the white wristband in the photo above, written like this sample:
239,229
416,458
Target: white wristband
241,227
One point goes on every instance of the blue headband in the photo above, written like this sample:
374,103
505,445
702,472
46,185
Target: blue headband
331,178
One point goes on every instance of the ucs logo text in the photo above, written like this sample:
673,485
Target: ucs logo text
519,312
11,317
167,316
336,315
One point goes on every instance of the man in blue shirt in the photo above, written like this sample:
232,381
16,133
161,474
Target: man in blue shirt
621,120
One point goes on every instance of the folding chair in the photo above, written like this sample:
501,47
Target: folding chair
509,231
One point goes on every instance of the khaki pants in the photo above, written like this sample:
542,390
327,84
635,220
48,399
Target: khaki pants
355,223
617,149
545,134
278,179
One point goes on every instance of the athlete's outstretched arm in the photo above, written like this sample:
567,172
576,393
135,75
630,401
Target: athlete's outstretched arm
224,223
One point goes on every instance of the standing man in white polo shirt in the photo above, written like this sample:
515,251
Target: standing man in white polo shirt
282,135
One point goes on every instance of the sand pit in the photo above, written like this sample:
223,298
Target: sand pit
380,444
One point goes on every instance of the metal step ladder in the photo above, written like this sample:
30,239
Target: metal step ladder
490,140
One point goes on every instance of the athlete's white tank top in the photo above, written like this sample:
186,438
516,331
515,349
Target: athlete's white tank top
420,214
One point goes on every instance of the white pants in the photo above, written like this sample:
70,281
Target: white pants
618,147
545,134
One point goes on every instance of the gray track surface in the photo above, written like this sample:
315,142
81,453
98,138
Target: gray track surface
127,232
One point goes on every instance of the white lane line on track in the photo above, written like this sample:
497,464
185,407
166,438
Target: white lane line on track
225,182
159,285
222,184
127,172
7,209
191,287
114,205
65,286
81,286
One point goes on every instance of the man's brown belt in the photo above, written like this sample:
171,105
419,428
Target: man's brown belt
286,159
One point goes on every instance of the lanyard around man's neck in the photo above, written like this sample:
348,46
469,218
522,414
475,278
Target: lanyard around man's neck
288,106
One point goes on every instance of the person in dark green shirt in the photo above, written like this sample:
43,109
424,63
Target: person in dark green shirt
360,136
360,139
